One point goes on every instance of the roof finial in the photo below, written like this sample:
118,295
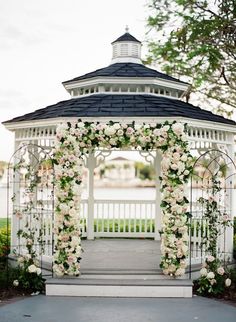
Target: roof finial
127,29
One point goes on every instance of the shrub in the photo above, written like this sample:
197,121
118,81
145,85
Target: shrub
214,278
4,243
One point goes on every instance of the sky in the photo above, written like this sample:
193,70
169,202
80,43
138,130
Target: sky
43,43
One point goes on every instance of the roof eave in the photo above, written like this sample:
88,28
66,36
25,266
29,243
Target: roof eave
102,79
12,126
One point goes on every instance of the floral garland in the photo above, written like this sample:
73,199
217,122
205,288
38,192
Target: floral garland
31,235
74,140
213,276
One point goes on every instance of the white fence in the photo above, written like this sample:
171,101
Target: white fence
116,218
120,218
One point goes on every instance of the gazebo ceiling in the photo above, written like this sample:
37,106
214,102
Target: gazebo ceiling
108,105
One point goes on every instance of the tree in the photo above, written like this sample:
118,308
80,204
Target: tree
197,38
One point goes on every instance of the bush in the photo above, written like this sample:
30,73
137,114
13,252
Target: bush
214,278
7,276
4,243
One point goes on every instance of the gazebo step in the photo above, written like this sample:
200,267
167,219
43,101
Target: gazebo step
108,287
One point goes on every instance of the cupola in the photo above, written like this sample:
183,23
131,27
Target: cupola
126,48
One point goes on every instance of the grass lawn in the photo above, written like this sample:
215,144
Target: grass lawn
124,225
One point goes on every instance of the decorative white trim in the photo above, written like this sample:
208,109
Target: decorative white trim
126,80
52,122
126,60
126,93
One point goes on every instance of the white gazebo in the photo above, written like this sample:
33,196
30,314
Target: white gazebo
125,91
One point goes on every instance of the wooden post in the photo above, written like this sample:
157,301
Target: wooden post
91,166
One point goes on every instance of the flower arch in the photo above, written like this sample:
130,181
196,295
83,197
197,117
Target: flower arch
74,140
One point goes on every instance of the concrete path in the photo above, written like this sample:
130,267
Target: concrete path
115,254
72,309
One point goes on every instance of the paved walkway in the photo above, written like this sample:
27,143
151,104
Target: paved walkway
71,309
115,254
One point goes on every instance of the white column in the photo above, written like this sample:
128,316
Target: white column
16,203
232,196
157,165
91,166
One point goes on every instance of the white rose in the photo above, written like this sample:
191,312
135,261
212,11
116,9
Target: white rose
112,141
179,272
116,126
210,275
110,130
227,282
137,127
20,259
184,158
184,249
172,268
165,164
178,128
157,132
38,271
15,283
120,132
174,166
32,269
213,281
72,212
80,124
166,128
61,129
203,271
210,258
75,241
220,270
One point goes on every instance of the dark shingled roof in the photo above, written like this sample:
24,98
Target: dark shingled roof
110,105
125,70
126,37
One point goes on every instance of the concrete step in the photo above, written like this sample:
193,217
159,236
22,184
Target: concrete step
114,287
122,276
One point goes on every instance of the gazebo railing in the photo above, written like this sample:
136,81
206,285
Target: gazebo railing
120,218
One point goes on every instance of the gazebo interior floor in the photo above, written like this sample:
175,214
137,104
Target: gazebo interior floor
116,255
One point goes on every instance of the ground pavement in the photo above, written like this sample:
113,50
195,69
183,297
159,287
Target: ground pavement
60,309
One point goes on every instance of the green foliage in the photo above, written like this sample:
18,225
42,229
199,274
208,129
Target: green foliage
214,277
3,222
4,243
7,275
3,167
126,225
196,38
213,281
30,280
144,171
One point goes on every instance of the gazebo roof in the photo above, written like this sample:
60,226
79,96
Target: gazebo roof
125,70
126,88
126,37
108,105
